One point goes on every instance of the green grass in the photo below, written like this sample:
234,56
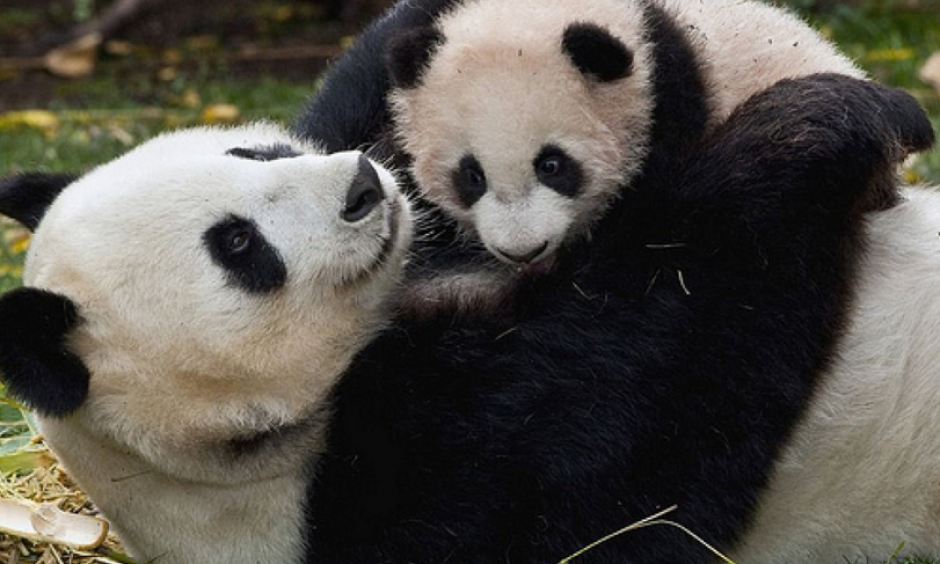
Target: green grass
86,133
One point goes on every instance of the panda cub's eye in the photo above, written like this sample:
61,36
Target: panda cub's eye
549,166
469,180
558,171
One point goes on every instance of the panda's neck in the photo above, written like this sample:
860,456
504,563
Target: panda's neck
160,518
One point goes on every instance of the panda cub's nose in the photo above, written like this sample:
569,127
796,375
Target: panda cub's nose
365,192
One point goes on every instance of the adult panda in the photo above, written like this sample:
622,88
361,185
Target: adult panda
187,307
526,119
226,277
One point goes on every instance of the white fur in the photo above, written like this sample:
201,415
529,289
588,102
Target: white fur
748,45
183,361
500,88
862,474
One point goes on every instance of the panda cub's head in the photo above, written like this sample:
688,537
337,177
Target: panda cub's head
524,118
198,294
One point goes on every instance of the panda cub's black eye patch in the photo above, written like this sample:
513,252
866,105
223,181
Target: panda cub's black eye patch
264,153
469,180
557,170
249,261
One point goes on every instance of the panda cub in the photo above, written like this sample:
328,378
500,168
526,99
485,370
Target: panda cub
187,307
526,119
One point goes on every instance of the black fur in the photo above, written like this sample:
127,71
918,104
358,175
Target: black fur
365,192
681,112
249,261
597,53
469,180
565,175
408,55
665,364
26,197
38,369
264,153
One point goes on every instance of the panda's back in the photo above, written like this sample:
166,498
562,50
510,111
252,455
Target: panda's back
745,46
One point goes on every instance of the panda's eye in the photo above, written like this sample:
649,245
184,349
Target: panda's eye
239,241
557,170
549,166
244,254
264,153
469,180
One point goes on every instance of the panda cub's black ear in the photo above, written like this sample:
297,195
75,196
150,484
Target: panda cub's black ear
26,197
35,364
597,53
408,55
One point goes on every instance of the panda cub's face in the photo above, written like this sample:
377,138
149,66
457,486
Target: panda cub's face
522,124
223,280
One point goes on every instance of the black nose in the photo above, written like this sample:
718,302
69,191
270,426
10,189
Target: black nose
365,192
527,257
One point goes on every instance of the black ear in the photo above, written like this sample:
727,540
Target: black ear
35,364
909,120
408,55
26,197
596,52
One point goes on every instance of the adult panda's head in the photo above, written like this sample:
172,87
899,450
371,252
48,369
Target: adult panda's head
524,118
198,294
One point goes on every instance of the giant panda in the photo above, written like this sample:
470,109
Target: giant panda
207,337
525,120
187,307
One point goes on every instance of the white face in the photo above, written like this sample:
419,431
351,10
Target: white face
510,138
220,294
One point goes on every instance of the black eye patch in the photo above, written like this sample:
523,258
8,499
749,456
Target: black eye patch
264,153
249,261
469,180
557,170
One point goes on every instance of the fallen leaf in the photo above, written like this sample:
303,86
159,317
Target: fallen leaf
930,73
75,59
220,113
43,120
190,99
119,48
167,74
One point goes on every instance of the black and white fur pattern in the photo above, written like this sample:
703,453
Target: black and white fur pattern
187,307
667,366
861,475
525,119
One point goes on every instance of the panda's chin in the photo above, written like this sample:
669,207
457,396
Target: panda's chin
541,267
